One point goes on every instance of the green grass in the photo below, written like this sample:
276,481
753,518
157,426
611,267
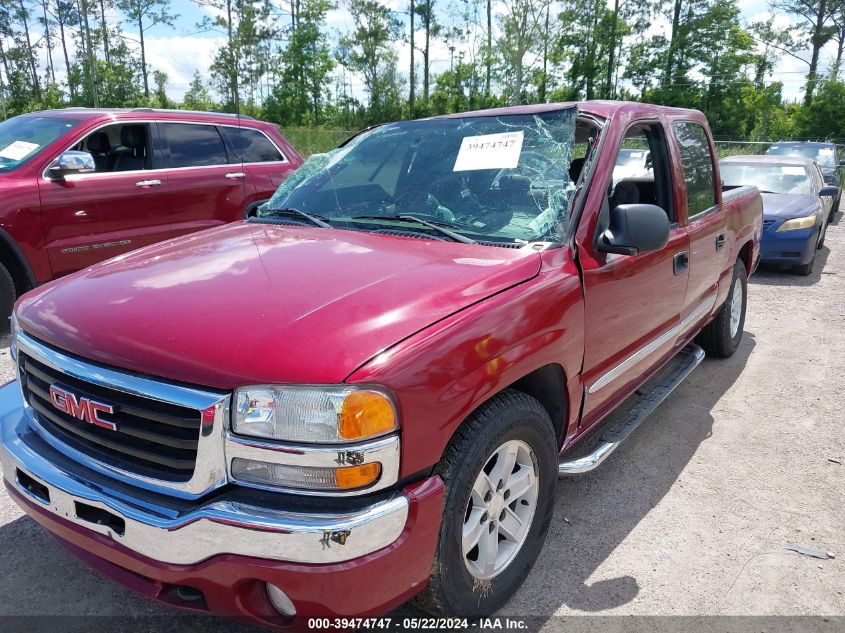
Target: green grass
737,148
314,140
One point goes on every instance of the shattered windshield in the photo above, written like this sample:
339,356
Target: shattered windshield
492,178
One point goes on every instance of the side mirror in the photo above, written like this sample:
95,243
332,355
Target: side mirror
635,228
829,191
72,162
842,162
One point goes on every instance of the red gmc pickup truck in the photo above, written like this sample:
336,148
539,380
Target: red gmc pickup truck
367,393
78,186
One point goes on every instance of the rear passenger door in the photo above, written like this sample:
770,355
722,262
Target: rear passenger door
204,189
706,221
262,162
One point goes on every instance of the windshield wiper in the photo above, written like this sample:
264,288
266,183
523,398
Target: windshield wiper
434,226
316,220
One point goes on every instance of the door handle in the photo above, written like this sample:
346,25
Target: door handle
235,175
680,262
148,183
720,241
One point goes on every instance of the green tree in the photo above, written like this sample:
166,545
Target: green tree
521,23
368,49
146,14
815,28
161,98
299,93
197,96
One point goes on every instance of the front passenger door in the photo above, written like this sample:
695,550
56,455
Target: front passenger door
205,190
632,302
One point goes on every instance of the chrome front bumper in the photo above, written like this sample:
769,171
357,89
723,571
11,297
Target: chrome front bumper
217,527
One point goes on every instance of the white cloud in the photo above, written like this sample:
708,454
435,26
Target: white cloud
179,56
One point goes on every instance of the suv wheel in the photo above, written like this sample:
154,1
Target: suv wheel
722,335
500,472
8,294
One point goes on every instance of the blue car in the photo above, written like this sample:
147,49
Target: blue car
827,155
797,205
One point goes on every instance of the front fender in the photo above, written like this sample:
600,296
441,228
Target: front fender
443,373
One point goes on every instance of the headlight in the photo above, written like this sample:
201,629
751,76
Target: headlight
798,223
14,328
335,414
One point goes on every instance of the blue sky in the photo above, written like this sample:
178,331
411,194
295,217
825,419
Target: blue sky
181,50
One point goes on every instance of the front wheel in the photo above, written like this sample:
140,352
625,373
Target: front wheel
805,269
500,472
722,335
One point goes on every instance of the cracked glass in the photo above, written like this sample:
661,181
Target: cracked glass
502,178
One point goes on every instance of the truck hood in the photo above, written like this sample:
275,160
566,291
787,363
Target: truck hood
788,205
257,303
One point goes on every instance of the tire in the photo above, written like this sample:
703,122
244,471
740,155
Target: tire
719,338
510,421
8,294
252,210
806,269
834,208
823,235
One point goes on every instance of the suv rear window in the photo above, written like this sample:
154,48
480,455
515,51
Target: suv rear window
194,145
251,146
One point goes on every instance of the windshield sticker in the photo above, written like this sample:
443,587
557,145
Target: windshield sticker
793,171
18,150
826,151
490,151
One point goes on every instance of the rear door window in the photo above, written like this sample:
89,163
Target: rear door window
252,146
194,145
698,167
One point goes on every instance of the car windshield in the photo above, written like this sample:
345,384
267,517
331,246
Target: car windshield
22,137
768,178
824,156
492,178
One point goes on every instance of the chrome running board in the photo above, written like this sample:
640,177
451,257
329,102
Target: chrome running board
679,368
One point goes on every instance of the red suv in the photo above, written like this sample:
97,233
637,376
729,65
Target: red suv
80,185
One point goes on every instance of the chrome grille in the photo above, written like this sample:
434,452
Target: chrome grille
151,438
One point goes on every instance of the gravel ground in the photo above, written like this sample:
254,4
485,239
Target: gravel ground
688,518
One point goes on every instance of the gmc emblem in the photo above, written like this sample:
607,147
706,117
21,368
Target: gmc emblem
83,409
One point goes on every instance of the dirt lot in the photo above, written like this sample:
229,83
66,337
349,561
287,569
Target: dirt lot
690,517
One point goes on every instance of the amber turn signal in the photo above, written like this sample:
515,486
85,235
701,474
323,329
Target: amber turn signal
349,477
365,414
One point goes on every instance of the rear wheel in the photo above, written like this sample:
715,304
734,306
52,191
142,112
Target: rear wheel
500,472
722,335
8,294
